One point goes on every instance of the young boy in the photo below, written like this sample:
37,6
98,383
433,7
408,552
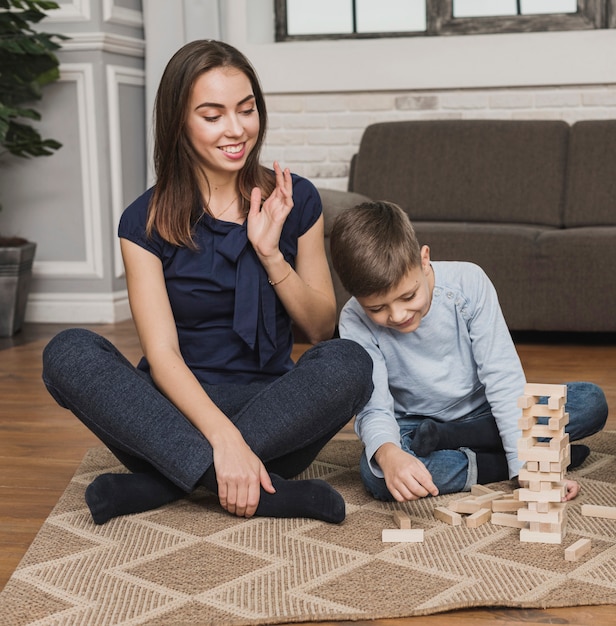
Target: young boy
443,415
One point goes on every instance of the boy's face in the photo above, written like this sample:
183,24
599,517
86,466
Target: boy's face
403,307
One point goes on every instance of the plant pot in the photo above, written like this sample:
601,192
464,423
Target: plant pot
15,276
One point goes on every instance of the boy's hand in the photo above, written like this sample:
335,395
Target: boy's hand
573,488
406,477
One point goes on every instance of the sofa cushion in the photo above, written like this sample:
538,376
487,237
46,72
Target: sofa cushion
577,279
591,177
505,252
466,170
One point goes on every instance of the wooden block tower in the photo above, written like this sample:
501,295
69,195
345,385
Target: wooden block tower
546,462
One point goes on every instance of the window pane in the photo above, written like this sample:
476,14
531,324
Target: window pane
530,7
319,17
484,8
386,16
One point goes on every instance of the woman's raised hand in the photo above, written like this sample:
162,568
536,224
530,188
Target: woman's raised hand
265,222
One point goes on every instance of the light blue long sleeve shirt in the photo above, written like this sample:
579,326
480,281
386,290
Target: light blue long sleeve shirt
460,356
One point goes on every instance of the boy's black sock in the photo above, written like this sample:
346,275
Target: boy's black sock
491,467
579,454
313,498
111,495
481,433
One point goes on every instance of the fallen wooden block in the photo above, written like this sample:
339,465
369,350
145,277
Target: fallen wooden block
446,515
468,506
478,518
401,519
578,549
508,519
400,535
594,510
480,490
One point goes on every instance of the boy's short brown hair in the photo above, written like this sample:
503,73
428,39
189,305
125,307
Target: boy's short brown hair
373,247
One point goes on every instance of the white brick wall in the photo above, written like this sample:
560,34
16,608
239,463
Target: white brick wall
317,134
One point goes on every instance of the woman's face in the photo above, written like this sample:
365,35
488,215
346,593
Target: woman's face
223,122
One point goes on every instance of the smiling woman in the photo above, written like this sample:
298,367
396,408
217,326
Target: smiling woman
217,400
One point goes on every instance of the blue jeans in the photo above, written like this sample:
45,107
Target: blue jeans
456,470
285,422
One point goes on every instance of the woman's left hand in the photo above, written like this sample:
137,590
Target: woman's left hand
265,222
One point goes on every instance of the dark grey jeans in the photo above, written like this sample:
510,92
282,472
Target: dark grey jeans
285,422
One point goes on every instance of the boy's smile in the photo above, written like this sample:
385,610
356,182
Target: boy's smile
405,305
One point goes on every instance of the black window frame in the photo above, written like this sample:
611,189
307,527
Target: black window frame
590,15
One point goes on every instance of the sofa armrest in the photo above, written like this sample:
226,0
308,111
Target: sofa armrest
335,201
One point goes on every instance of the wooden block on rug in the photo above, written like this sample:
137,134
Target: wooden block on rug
449,517
401,535
594,510
578,549
480,517
401,519
507,519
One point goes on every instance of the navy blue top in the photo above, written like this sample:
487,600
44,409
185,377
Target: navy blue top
224,338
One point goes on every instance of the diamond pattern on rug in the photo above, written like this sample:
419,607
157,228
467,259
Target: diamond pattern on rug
192,563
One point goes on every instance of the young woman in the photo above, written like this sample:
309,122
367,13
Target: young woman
222,257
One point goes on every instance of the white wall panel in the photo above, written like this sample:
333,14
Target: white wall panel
92,266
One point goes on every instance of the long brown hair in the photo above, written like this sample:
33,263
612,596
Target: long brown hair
176,203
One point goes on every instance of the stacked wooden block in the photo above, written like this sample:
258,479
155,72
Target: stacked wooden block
546,462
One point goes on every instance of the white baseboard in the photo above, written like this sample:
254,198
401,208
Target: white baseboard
78,308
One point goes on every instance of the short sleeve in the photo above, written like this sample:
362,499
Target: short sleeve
133,222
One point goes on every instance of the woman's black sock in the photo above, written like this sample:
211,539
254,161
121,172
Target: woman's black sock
111,495
312,498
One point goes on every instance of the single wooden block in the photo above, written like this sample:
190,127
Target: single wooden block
525,402
478,518
489,497
558,443
553,477
557,423
481,490
507,505
543,389
594,510
401,535
544,410
540,430
556,515
530,536
507,519
555,494
556,402
401,519
532,466
578,549
539,452
468,506
448,516
525,422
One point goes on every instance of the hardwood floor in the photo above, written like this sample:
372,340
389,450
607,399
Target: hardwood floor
42,444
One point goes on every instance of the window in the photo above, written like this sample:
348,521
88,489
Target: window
354,19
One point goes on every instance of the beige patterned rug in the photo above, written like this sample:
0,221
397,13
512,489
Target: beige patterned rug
191,563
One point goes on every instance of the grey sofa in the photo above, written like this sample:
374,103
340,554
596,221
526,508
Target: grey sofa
532,202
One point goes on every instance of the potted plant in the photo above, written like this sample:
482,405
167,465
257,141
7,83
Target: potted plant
27,63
